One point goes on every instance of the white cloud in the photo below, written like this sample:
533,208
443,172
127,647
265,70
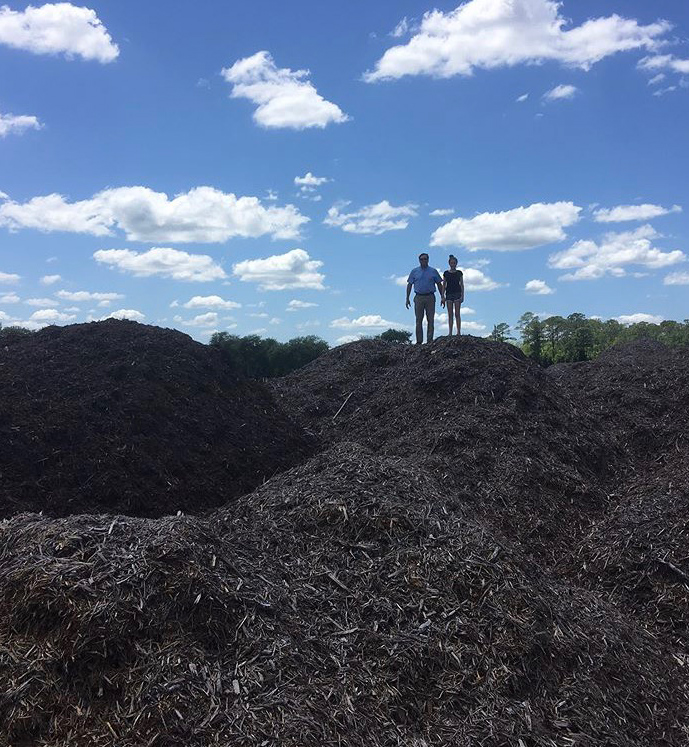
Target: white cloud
477,280
372,219
295,269
210,302
259,315
9,277
522,98
283,96
40,301
367,321
676,278
4,316
57,28
131,314
468,310
401,29
168,263
656,79
347,338
442,211
210,319
9,298
50,279
203,214
623,213
560,92
16,124
309,324
50,316
271,195
592,261
473,326
79,296
400,280
538,288
275,320
520,228
639,317
503,33
296,305
663,91
309,182
258,331
664,62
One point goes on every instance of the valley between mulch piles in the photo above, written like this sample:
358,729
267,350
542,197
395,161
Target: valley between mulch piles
460,565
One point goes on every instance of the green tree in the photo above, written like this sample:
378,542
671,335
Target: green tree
399,336
501,333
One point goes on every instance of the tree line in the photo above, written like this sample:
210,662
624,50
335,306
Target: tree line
576,337
556,339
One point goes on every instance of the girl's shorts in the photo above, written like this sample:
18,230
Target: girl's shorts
453,296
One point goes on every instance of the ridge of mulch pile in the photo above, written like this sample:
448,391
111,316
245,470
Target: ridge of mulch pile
121,417
505,436
348,601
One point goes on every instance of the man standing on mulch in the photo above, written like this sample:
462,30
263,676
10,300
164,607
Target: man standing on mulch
424,279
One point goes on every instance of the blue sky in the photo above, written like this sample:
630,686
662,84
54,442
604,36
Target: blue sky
276,168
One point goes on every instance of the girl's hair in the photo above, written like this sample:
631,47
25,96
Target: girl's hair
452,256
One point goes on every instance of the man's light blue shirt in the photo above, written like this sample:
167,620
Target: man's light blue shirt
424,279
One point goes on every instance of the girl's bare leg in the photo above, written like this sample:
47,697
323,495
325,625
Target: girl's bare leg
450,304
458,306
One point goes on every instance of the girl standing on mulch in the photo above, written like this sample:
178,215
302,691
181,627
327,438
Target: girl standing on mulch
453,292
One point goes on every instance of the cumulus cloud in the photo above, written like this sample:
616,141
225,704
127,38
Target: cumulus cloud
16,124
309,182
676,278
294,269
131,314
520,228
623,213
50,279
9,298
477,280
9,277
204,214
167,263
210,302
398,279
210,319
347,338
57,28
372,219
592,261
472,326
487,34
639,317
664,62
522,98
40,301
50,316
284,97
367,322
538,288
560,92
79,296
442,211
296,305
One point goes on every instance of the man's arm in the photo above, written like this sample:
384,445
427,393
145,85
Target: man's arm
409,287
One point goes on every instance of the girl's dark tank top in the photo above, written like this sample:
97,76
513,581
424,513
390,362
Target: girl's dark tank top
452,280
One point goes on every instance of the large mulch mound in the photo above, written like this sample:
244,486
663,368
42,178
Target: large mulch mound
122,417
349,601
504,435
483,552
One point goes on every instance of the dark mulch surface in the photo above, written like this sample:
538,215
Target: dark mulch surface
504,435
122,417
484,552
349,601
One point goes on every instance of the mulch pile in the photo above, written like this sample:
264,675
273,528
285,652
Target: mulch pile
347,601
480,554
122,417
501,432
